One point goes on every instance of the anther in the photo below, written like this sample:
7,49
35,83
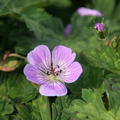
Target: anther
56,74
58,66
48,72
51,64
60,71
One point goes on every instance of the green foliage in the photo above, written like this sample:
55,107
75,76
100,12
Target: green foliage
105,10
24,113
116,16
45,28
6,107
25,24
58,108
38,109
16,86
16,7
99,52
112,85
41,109
91,107
105,57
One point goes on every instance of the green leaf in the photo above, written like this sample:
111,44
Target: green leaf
61,3
10,7
105,10
112,86
16,86
46,28
4,118
3,85
25,44
116,17
37,109
58,108
19,87
104,57
6,107
91,107
41,108
24,112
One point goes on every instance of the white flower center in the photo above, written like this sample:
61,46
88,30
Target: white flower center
51,77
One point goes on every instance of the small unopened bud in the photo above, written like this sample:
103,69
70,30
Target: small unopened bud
67,30
100,27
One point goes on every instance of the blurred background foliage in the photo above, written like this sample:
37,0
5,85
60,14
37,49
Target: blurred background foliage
24,24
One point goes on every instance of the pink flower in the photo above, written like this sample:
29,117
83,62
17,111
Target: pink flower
100,27
52,72
88,12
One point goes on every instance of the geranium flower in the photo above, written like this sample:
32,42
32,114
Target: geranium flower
82,11
51,73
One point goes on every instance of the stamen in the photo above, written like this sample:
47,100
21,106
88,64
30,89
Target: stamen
56,74
48,72
60,71
51,64
58,66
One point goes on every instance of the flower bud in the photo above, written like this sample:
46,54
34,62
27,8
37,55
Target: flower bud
100,27
67,30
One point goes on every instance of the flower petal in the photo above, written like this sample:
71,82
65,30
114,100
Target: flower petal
72,73
88,12
53,88
34,74
40,56
62,56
